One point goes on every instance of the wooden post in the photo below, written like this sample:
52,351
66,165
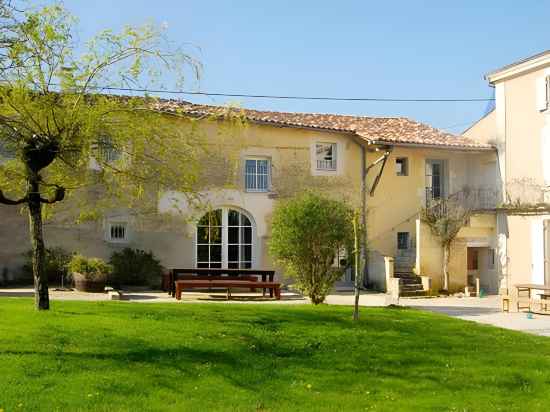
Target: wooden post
356,257
477,287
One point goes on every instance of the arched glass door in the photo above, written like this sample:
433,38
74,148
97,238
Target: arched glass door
225,240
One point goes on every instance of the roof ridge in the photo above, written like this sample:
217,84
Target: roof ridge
285,112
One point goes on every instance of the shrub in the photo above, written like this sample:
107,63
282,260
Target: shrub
93,269
307,233
57,260
135,267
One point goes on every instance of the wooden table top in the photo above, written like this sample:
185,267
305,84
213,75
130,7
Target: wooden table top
532,286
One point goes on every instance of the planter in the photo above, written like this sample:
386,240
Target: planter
82,284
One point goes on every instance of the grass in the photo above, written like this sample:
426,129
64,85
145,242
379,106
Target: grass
115,356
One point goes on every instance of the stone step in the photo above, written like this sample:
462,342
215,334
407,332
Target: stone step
416,293
410,287
410,281
406,275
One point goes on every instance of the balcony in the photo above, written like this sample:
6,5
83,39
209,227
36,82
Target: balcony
475,200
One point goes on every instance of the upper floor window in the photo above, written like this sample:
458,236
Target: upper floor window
325,156
106,150
257,175
402,166
402,240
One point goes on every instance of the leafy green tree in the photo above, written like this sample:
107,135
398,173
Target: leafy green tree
68,138
308,232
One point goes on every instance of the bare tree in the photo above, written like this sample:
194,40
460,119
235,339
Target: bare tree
445,219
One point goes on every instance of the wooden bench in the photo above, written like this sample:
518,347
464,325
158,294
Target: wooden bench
275,288
244,277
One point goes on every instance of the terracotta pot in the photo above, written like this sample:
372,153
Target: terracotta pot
84,285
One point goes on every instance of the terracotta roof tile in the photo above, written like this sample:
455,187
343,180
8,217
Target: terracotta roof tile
388,130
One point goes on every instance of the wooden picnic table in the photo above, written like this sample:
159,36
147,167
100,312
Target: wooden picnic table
230,274
525,291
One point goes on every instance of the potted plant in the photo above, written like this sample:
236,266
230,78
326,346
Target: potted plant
89,274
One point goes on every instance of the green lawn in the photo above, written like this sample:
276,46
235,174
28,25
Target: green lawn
111,356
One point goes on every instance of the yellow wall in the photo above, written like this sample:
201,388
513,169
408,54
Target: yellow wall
393,208
481,228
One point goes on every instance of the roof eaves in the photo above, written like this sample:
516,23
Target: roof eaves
457,147
514,68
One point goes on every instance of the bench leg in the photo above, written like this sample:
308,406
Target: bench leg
228,293
178,292
278,293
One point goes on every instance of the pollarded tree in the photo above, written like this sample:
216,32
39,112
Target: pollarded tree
63,132
308,232
445,219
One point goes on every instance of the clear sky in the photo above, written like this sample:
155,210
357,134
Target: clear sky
403,49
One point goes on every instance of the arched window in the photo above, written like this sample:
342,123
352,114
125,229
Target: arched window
224,240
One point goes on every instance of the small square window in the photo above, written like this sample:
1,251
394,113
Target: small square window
117,232
257,174
325,156
402,240
402,166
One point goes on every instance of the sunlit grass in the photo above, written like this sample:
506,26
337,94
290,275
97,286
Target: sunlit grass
113,356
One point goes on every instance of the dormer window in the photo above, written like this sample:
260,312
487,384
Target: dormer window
326,156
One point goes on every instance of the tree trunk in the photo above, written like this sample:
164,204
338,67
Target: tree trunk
41,297
446,254
356,266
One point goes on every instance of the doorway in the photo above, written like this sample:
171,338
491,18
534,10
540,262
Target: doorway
482,266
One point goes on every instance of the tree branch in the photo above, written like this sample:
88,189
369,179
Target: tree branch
58,196
4,200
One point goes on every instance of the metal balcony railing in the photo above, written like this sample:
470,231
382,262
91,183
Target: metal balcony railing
470,199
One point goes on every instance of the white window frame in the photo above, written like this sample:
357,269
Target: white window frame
408,237
225,239
256,174
333,165
111,225
405,166
543,93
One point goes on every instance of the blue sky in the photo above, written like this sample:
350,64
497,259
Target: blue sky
403,49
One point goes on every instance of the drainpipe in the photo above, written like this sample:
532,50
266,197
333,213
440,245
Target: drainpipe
364,214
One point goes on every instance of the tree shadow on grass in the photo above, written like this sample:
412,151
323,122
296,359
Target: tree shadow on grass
6,293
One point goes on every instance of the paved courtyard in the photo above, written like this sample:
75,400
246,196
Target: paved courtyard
482,310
